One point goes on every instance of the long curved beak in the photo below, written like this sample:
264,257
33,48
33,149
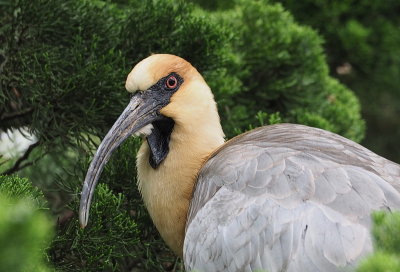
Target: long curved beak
136,115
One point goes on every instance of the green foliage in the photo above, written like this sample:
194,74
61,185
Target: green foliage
14,187
362,43
386,233
24,229
380,262
120,234
107,242
178,32
58,55
69,62
342,111
215,5
284,70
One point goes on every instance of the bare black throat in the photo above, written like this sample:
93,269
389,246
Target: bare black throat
158,140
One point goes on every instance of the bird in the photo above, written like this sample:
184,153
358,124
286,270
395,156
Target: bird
283,197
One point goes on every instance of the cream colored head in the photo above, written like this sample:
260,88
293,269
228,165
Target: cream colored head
148,71
192,100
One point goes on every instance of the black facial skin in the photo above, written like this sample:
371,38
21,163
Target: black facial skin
158,140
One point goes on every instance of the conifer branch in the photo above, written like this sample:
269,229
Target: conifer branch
6,117
17,165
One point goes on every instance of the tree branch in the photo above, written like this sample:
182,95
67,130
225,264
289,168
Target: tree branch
17,165
6,117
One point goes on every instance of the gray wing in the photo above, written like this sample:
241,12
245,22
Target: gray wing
287,198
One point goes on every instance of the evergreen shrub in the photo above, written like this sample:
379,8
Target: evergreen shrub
387,250
362,44
283,69
120,235
25,230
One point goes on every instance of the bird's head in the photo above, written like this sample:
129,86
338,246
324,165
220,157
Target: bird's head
167,92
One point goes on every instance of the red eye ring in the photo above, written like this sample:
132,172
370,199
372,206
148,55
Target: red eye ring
171,82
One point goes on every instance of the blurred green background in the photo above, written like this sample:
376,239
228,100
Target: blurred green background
63,64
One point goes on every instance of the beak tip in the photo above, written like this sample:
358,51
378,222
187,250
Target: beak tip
83,223
82,218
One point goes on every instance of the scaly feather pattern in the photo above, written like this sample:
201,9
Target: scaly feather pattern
287,198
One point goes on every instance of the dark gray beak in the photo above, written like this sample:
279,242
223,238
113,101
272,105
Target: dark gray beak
139,113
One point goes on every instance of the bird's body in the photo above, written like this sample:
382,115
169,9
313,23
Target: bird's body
278,198
287,198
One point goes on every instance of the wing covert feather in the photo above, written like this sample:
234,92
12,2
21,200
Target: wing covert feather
287,198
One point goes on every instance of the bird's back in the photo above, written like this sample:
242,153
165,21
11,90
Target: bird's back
287,198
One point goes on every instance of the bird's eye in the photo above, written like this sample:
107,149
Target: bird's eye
171,82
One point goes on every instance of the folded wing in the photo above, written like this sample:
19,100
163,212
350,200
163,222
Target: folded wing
287,198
